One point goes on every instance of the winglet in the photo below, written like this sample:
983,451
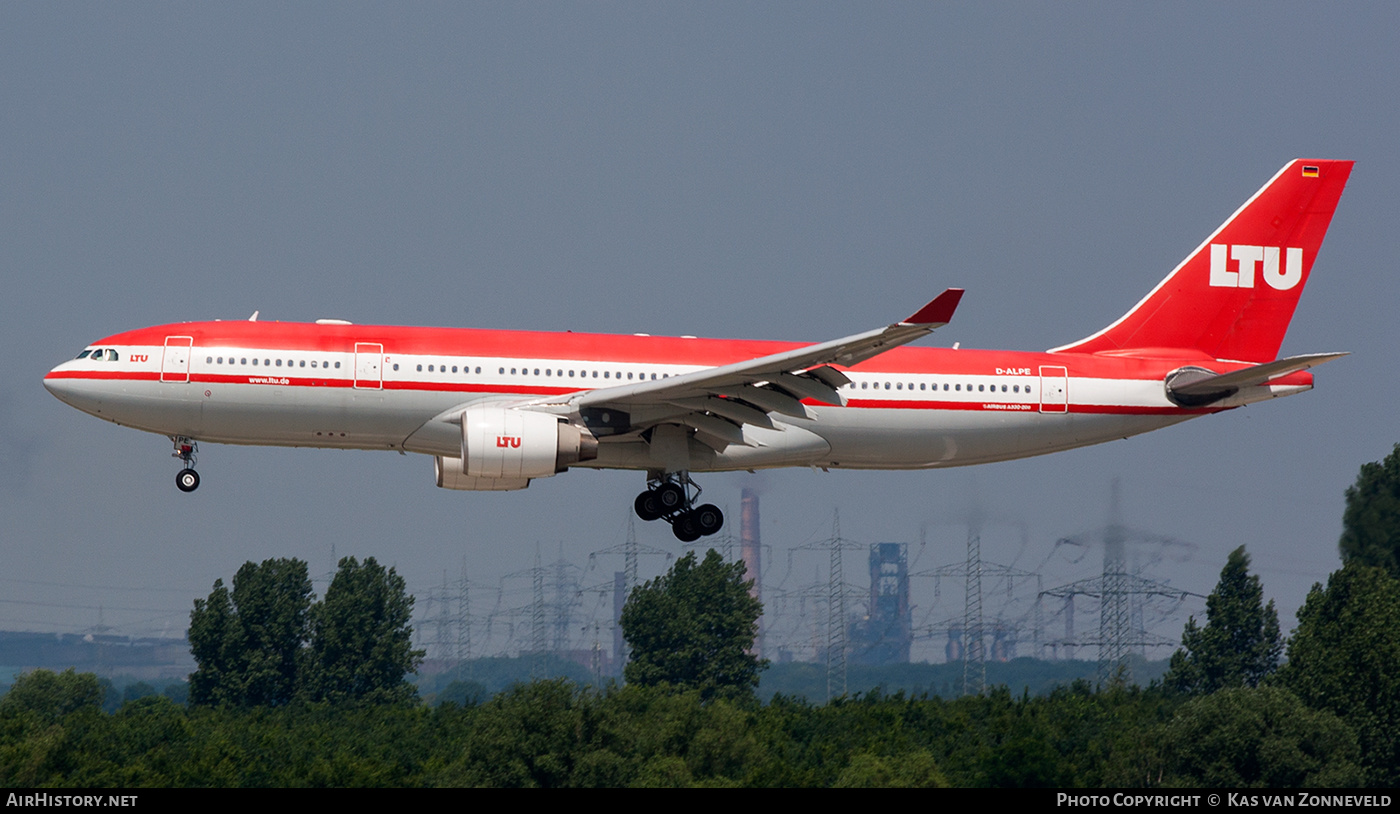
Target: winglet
939,311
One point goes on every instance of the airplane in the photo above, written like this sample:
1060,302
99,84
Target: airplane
498,409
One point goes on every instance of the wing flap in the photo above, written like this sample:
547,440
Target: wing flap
709,399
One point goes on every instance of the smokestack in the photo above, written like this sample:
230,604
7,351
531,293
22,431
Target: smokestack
751,551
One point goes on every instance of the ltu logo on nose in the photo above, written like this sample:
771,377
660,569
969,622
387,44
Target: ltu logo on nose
1250,258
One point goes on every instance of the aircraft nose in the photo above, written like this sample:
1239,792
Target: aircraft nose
62,389
68,389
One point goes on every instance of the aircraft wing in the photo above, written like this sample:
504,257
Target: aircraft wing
717,401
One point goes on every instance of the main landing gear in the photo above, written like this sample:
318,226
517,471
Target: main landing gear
672,498
186,480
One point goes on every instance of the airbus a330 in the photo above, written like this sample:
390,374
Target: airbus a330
497,409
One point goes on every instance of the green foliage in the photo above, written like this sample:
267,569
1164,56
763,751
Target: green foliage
45,697
361,642
1240,644
136,690
917,770
692,629
248,642
1258,738
1343,658
177,691
462,693
1371,521
265,643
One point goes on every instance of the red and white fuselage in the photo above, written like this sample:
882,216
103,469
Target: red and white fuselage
497,408
381,387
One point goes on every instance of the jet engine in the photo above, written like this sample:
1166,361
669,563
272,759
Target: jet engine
450,475
503,448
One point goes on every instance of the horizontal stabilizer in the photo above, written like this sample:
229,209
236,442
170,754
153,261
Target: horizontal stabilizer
1194,386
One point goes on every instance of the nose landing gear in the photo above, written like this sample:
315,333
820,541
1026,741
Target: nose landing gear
671,497
186,480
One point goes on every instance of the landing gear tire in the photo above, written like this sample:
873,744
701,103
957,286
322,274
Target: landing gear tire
708,519
187,480
647,506
670,497
686,527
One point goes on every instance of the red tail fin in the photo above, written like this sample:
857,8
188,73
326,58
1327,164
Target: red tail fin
1233,297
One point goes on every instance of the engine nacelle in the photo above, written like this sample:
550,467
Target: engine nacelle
450,476
502,443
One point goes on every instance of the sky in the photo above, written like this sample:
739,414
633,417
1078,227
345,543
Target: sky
797,171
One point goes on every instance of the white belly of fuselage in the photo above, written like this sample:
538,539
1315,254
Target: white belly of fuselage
346,418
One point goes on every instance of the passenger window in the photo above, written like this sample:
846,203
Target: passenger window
337,366
255,362
243,361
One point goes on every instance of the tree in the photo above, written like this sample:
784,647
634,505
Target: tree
693,629
1258,738
247,643
1343,658
361,642
1371,521
49,696
1240,644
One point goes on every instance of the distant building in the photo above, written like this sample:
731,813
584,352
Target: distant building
106,655
886,633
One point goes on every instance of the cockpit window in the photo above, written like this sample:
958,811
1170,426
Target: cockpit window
111,355
85,353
